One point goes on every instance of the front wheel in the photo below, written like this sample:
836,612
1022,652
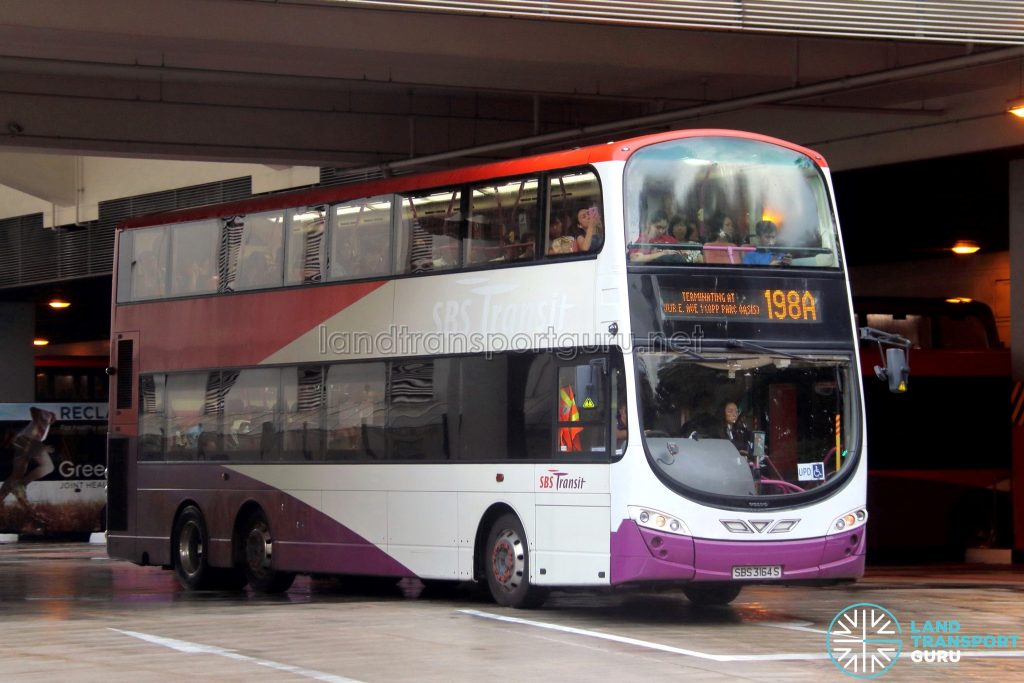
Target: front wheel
703,595
507,565
257,550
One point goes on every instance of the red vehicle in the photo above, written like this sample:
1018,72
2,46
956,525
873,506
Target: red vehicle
71,378
940,465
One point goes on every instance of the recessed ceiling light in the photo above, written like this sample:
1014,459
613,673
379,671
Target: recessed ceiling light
965,247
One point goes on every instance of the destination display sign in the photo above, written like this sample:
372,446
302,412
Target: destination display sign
772,305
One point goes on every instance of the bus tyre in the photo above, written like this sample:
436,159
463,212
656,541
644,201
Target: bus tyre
707,594
189,546
507,565
257,550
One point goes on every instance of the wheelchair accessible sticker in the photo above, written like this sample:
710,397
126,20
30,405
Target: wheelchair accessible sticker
810,471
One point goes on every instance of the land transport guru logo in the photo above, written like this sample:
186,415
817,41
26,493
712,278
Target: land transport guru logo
864,641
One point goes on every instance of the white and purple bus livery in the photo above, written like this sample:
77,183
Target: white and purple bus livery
628,363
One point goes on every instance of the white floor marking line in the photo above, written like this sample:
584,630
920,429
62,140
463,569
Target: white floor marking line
645,643
793,626
199,648
990,653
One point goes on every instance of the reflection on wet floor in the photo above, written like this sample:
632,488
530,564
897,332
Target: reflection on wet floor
382,629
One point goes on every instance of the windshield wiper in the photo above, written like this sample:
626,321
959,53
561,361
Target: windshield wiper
660,341
758,348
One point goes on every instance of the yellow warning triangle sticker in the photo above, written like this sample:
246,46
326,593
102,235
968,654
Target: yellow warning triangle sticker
589,403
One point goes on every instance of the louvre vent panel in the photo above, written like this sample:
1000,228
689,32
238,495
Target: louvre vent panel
125,370
30,254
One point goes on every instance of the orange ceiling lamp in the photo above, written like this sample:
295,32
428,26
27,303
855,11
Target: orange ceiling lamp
58,303
963,247
1016,107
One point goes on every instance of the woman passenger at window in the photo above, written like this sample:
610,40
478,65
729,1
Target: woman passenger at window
685,231
656,233
723,230
589,230
560,243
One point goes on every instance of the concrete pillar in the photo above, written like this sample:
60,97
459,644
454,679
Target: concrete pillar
1017,350
17,355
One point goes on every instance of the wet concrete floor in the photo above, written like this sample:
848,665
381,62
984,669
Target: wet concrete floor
68,613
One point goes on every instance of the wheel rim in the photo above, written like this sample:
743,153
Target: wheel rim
258,549
190,548
508,560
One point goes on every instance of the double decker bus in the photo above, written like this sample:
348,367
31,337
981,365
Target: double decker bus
508,374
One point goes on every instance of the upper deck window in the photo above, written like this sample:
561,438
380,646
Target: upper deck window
502,222
361,238
146,272
430,232
194,248
575,219
259,251
305,239
727,201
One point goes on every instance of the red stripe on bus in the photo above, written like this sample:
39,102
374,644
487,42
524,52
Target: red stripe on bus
619,150
232,330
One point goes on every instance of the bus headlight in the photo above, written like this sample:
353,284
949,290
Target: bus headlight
658,521
851,520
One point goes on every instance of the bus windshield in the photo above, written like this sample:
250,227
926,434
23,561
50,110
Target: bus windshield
727,201
747,424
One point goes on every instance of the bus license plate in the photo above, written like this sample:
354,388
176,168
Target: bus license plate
765,571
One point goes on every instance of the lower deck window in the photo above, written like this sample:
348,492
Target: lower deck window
469,409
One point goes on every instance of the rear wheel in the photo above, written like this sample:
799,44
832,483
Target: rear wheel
507,565
707,594
189,548
257,549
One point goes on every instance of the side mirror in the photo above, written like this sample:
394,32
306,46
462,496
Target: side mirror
896,370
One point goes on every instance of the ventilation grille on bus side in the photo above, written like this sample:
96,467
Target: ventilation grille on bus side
117,484
124,374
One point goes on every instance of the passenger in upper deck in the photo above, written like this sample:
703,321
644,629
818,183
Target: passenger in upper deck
721,241
656,233
683,230
722,230
559,242
588,230
686,232
765,234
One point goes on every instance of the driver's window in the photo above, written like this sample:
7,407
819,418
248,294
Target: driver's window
582,411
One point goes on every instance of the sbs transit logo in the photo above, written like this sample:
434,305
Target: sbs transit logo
864,640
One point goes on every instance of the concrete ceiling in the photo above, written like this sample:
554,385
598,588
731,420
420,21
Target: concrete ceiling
322,84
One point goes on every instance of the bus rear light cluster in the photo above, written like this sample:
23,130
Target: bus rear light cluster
851,520
658,521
